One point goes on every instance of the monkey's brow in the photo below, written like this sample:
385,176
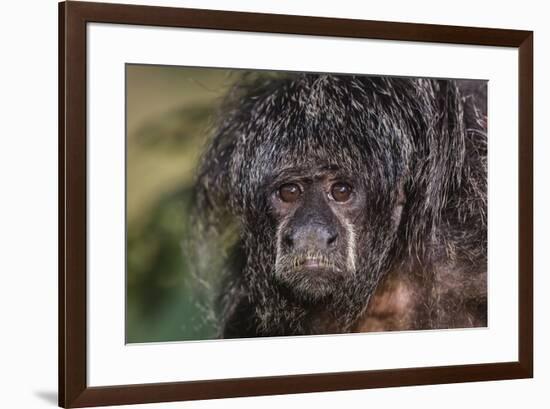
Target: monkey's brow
301,171
304,173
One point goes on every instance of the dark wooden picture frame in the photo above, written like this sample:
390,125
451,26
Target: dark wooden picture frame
73,388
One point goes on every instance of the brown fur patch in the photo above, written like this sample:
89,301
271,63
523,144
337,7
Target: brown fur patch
392,307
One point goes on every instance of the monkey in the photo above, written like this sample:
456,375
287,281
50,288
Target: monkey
355,204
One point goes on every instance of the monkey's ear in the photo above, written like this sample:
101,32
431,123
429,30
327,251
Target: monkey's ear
399,203
401,194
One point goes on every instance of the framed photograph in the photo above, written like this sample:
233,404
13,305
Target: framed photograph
254,204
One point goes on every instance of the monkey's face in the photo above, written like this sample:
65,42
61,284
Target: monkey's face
316,239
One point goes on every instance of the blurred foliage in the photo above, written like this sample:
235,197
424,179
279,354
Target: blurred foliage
179,128
169,117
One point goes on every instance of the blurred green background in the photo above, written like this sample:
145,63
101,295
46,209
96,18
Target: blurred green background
169,113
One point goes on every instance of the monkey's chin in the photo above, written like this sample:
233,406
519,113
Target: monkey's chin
310,284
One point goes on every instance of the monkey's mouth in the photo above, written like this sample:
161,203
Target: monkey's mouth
311,276
315,262
310,265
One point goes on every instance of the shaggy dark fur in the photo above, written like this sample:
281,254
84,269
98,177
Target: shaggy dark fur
417,148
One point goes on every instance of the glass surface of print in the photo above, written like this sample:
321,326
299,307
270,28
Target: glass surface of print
265,203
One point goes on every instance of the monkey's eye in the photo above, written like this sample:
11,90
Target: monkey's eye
341,192
289,192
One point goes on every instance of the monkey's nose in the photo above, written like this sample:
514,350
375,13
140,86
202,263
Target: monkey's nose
311,237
